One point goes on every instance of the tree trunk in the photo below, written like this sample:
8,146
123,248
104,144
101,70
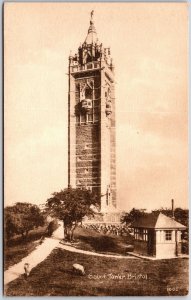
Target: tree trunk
66,232
69,232
72,231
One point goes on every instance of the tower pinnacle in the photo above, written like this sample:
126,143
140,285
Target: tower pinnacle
92,34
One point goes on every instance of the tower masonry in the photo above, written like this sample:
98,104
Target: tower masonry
91,121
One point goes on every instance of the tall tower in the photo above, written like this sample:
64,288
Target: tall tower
91,120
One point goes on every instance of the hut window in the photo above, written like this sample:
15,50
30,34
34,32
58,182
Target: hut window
140,234
136,233
168,235
145,235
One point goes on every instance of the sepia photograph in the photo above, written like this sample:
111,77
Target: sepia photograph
96,149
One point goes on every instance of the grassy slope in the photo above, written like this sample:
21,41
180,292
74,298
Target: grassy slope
54,276
18,248
98,242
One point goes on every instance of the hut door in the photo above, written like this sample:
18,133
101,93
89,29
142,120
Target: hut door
176,243
151,242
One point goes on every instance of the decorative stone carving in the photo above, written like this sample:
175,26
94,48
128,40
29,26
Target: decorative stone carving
108,194
108,109
83,86
87,105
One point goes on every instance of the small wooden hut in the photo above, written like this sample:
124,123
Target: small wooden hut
157,235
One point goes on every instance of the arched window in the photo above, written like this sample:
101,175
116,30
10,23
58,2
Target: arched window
88,93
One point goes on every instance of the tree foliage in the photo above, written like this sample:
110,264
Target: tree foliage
132,215
71,206
21,218
181,215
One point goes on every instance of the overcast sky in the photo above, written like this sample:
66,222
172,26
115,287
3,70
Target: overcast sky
149,45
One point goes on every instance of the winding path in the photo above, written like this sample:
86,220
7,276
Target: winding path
35,257
43,250
76,250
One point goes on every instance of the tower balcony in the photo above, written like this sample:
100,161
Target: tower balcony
86,67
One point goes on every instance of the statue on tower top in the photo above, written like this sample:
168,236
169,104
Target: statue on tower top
91,50
92,14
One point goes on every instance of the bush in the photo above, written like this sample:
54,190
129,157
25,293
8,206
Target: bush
185,248
21,218
52,226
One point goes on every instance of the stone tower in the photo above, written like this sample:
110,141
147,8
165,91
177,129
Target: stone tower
91,120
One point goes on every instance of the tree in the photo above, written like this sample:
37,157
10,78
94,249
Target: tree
181,215
71,206
10,224
134,214
21,218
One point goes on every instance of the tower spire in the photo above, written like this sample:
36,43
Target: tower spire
92,34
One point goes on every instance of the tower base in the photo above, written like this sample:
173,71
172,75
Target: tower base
106,218
112,217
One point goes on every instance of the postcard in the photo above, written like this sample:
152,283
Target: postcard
96,149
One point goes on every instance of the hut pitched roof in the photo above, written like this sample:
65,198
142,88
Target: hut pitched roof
157,221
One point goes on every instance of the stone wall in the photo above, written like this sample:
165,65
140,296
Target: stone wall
92,161
113,150
88,156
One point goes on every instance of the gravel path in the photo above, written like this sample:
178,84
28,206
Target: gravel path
43,250
74,249
36,257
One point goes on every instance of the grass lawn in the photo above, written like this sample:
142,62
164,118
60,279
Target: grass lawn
18,248
98,242
54,277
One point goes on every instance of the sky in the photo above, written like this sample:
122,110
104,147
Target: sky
149,46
